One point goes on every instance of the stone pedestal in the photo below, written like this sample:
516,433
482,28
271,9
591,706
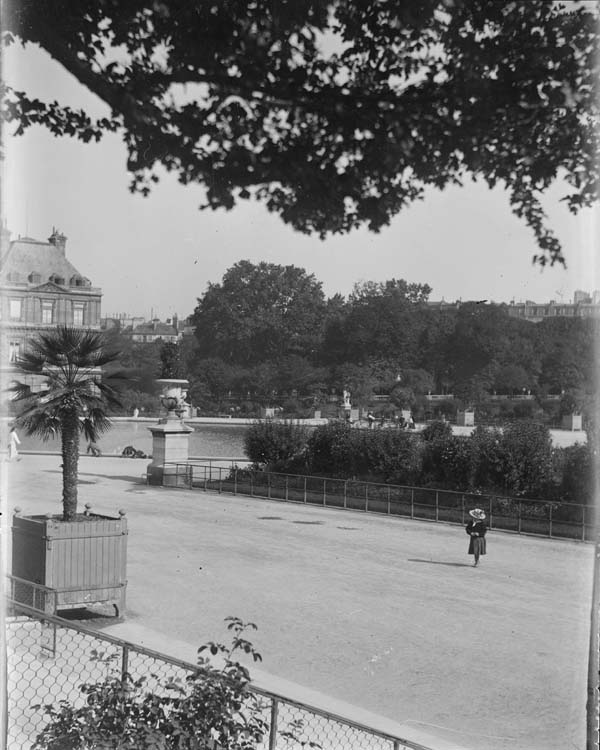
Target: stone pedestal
170,438
465,418
572,422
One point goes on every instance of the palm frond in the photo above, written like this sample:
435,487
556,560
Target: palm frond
95,423
40,423
70,360
19,390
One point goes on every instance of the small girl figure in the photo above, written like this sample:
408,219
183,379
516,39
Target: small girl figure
476,529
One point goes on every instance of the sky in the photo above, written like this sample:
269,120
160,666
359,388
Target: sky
155,256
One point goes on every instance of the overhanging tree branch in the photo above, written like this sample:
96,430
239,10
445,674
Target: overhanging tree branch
414,95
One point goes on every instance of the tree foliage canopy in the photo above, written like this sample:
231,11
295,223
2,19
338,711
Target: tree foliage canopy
260,312
333,114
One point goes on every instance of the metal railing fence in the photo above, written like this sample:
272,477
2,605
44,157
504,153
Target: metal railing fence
49,658
519,515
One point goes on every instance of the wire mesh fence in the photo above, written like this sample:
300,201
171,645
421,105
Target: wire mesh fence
34,595
523,516
49,659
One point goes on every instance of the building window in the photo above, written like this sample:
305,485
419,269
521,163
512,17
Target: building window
15,309
47,312
78,314
14,348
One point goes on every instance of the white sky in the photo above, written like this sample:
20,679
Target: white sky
157,254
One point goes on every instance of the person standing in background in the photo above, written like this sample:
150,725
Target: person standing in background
476,529
13,441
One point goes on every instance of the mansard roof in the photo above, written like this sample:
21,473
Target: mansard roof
26,255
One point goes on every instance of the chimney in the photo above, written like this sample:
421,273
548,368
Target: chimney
58,240
4,239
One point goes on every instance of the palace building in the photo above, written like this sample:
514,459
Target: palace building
39,289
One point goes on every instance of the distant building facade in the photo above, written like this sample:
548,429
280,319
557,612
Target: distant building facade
584,305
122,321
40,289
144,331
155,330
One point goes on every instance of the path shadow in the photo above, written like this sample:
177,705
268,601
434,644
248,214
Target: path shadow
97,613
136,479
79,481
438,562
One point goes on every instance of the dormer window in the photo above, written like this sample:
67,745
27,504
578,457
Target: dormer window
35,278
76,281
56,279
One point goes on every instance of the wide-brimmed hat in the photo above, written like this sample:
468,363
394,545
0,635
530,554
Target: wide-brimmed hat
477,513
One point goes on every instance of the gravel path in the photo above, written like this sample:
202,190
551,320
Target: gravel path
386,614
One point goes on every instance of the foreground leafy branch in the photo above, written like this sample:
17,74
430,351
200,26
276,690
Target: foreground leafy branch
212,708
334,115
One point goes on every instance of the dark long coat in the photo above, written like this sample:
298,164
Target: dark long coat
480,528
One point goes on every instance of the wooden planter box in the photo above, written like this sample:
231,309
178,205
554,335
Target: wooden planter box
82,561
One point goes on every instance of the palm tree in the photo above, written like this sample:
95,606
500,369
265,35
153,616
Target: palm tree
73,399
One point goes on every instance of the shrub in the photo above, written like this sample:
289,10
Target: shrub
446,458
330,450
574,467
437,431
527,449
485,460
396,456
382,455
276,445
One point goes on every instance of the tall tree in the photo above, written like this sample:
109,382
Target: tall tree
334,113
486,337
260,312
170,359
566,348
381,322
73,399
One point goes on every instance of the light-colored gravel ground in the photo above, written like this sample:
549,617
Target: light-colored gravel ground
386,614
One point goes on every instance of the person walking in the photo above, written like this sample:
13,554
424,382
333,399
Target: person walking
476,529
92,448
13,441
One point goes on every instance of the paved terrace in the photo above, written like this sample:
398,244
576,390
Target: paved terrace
383,614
